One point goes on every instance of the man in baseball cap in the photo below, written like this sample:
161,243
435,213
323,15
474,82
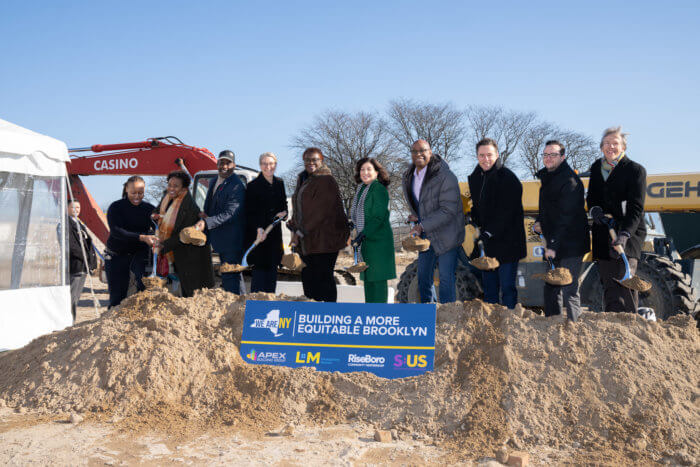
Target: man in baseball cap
223,218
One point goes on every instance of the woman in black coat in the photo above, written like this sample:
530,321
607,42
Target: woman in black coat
266,200
178,210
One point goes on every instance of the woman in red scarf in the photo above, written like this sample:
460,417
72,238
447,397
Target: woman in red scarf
191,263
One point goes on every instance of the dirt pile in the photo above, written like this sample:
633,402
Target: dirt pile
621,388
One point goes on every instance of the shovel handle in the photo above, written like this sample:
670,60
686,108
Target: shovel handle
481,248
613,236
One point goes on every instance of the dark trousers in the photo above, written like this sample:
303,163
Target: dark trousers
117,268
557,297
317,277
500,283
232,281
616,297
264,280
77,282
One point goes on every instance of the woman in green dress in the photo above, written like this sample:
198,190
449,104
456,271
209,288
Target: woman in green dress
370,214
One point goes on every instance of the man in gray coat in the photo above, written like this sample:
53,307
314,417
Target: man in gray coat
432,193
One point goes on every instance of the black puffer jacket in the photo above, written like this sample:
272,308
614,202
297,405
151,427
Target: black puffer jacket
562,214
497,197
621,195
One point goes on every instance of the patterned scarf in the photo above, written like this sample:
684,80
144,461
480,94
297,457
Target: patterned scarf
168,214
606,167
357,212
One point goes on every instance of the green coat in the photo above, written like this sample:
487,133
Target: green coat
378,245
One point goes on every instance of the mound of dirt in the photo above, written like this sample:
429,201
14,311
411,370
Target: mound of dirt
622,388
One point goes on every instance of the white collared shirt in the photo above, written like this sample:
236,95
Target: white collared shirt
418,177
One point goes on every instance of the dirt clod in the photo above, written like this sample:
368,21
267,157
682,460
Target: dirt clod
193,236
415,244
558,276
227,267
635,283
485,263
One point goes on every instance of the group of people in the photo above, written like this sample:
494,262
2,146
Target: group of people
615,198
234,216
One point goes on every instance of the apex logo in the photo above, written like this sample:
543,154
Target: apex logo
275,357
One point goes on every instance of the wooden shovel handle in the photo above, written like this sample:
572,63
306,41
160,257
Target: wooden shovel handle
613,236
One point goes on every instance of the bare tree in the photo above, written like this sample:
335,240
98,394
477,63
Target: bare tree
441,125
506,127
346,138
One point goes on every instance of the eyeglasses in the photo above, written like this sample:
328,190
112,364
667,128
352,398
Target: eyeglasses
312,159
550,154
415,152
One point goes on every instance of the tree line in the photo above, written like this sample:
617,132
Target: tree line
346,137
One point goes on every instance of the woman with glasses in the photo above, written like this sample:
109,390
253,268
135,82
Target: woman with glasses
319,226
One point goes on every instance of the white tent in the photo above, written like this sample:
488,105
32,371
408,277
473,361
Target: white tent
34,291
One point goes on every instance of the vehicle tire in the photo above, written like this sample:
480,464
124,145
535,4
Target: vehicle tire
671,291
468,286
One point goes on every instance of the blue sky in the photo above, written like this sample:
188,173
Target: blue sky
249,75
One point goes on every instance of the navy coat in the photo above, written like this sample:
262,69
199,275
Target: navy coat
225,211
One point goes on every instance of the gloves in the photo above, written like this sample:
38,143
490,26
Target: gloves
485,235
600,218
622,238
597,215
358,240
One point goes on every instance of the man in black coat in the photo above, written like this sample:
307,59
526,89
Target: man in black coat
497,197
617,189
77,267
563,222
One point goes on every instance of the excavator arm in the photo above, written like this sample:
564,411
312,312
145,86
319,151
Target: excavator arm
153,157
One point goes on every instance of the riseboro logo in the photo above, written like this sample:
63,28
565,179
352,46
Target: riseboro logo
366,360
272,322
274,357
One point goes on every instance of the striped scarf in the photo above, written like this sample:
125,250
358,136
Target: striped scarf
357,212
168,214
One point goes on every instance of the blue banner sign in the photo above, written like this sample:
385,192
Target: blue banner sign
389,340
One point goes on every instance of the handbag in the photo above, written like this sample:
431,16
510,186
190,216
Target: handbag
162,268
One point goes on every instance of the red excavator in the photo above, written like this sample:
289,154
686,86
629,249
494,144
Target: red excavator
155,156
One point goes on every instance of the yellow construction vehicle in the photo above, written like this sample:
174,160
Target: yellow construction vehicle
672,213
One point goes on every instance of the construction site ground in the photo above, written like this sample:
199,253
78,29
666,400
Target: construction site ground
159,380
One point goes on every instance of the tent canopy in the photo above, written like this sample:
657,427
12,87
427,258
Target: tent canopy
25,151
34,295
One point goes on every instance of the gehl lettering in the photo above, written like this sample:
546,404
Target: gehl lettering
308,357
673,189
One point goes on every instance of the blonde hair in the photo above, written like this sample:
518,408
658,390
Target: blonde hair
267,154
615,130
